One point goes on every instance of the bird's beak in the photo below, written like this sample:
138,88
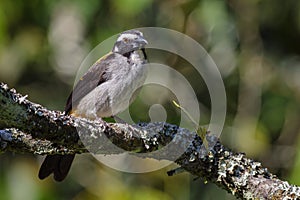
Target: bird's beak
143,41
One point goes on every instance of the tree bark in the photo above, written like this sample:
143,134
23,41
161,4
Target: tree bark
26,127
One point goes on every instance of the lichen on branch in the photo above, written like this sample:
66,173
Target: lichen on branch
26,127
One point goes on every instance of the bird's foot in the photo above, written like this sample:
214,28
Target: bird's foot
119,120
99,119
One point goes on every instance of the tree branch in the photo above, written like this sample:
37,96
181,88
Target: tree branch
31,128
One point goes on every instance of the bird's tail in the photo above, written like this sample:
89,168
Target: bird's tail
59,165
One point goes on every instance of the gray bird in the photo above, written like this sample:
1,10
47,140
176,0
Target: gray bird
106,89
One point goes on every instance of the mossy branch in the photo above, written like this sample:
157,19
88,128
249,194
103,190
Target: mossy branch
26,127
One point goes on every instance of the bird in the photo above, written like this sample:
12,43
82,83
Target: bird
106,89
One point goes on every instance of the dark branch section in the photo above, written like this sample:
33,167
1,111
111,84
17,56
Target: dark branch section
26,127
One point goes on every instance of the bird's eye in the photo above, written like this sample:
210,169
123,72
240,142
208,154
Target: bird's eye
125,40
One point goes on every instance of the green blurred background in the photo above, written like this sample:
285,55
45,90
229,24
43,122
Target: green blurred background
255,44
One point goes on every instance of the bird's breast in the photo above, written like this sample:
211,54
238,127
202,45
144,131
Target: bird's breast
127,88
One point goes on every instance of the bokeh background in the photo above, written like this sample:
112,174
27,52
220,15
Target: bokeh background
255,44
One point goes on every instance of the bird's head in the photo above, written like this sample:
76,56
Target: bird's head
129,41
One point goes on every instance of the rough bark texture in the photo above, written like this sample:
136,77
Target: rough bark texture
26,127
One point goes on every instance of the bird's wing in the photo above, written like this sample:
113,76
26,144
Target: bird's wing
96,75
